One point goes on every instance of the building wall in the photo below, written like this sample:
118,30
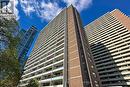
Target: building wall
109,39
125,20
59,57
46,62
74,69
80,73
26,40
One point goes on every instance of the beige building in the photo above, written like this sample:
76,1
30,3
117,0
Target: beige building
61,56
109,39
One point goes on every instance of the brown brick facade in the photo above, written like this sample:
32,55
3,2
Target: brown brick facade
125,20
80,72
74,69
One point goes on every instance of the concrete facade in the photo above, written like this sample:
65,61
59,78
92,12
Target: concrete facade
109,39
61,56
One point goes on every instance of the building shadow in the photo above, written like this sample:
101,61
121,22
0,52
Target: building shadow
109,72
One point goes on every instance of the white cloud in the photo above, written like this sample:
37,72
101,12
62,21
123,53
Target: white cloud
48,9
45,10
29,9
16,12
79,4
27,6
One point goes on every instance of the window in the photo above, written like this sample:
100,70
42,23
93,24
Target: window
94,74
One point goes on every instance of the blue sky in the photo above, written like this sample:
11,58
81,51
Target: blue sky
40,12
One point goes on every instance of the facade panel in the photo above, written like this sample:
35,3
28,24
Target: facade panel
109,39
59,57
26,40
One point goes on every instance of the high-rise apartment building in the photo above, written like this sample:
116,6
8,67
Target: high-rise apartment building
26,40
61,56
109,39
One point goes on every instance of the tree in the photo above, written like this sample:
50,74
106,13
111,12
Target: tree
9,65
33,83
9,25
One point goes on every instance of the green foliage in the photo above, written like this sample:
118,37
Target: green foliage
33,83
13,41
9,65
9,24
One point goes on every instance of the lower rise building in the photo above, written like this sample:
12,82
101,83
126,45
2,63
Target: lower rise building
109,39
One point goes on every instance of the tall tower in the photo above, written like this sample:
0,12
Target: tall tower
26,40
81,69
61,56
109,38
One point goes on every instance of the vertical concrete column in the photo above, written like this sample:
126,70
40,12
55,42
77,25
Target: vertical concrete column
74,68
